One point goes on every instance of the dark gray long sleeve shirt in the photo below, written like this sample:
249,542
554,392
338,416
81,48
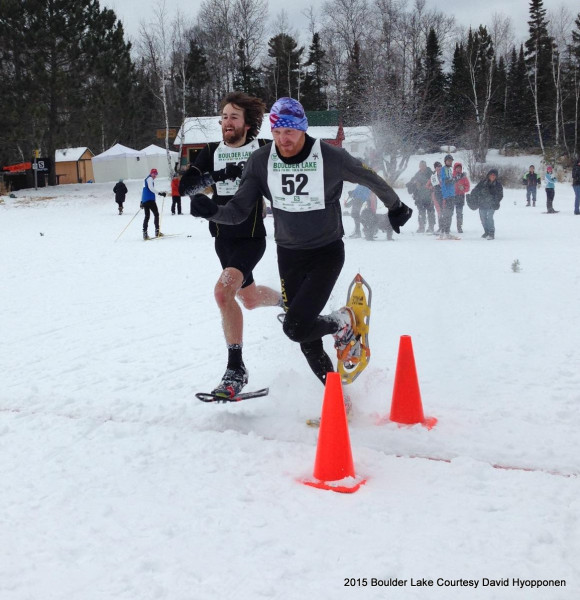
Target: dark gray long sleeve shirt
310,229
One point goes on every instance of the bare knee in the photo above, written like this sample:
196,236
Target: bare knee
227,286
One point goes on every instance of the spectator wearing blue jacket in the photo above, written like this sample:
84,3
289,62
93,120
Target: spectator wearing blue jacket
149,205
550,189
447,197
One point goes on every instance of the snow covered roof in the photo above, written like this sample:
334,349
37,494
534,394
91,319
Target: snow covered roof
361,133
153,150
202,130
116,151
69,154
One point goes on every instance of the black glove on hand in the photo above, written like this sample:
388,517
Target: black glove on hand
399,216
231,171
162,194
202,206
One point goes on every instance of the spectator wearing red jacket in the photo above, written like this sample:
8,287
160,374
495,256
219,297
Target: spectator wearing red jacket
175,195
461,188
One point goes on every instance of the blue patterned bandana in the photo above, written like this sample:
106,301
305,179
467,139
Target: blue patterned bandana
287,112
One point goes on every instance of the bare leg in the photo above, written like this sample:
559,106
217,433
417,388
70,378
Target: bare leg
255,296
225,291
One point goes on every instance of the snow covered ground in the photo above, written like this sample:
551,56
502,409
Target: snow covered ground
116,483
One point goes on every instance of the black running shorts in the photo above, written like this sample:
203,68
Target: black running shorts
242,254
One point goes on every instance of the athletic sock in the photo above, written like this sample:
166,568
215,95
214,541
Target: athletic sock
235,356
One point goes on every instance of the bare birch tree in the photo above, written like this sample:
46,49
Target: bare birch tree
156,49
559,29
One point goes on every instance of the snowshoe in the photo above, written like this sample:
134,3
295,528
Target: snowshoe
354,357
232,383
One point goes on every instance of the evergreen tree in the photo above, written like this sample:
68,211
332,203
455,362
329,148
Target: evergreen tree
498,135
283,72
459,108
197,76
71,71
354,109
518,116
313,94
431,89
246,78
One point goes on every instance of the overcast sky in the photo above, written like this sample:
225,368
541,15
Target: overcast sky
466,12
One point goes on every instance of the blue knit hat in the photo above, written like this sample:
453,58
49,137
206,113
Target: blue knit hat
287,112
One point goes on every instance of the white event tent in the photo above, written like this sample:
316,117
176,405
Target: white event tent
119,162
157,158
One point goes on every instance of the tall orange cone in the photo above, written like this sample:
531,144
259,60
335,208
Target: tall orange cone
406,406
333,467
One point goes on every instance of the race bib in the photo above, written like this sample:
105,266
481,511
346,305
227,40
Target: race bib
299,187
223,156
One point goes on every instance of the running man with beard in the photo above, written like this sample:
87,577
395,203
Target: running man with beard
239,246
303,178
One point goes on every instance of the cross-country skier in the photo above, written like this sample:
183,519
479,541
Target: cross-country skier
149,205
239,245
303,179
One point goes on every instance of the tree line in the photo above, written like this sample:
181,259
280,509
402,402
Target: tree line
70,77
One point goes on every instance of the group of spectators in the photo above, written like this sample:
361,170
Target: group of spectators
438,193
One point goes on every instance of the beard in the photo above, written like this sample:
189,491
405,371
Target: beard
235,135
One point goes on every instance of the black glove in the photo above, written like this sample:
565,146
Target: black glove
399,216
202,206
232,171
162,194
141,205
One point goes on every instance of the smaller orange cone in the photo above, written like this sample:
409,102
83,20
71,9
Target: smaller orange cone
333,467
406,406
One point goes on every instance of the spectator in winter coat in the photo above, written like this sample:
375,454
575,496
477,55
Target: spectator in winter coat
576,185
550,189
447,197
488,194
175,195
419,187
435,186
461,188
356,199
120,191
532,181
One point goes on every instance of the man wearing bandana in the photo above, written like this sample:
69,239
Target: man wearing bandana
303,179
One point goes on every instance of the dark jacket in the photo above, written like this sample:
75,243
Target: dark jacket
576,173
531,180
417,186
488,194
120,191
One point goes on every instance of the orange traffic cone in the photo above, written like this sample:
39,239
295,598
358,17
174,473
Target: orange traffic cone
333,467
406,406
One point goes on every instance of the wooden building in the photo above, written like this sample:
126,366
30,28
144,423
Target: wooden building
73,165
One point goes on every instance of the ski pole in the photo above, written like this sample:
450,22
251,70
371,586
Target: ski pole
129,223
162,206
